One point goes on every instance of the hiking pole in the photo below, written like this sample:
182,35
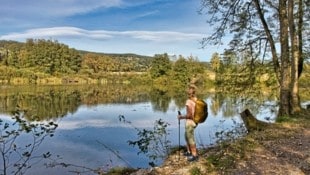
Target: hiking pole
179,137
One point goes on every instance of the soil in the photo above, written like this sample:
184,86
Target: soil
283,148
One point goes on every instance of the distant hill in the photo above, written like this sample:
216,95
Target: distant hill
9,44
122,55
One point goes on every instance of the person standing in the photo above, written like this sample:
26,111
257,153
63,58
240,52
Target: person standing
190,125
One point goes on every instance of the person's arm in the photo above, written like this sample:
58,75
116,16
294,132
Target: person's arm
188,114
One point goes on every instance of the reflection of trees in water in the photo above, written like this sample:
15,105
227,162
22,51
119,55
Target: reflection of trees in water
47,102
42,105
160,100
216,103
231,104
113,94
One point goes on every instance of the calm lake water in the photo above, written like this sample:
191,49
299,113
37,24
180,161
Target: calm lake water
90,134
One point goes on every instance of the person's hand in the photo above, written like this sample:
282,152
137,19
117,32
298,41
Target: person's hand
179,117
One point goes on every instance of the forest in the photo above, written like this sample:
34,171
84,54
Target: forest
40,61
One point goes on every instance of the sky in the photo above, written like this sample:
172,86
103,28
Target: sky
144,27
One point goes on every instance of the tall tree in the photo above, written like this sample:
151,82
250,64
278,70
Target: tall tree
160,66
181,70
262,27
215,62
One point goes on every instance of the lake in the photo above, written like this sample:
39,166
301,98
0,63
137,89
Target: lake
90,134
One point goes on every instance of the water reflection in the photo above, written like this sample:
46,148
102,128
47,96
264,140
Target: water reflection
89,132
52,102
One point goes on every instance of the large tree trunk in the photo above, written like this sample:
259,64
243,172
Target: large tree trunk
285,81
299,31
295,103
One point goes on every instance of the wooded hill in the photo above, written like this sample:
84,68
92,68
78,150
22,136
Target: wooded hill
38,59
52,57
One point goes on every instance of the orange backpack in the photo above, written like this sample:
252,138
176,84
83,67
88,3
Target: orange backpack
201,111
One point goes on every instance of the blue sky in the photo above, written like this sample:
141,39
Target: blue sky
145,27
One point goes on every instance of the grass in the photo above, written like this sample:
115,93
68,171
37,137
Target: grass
195,171
223,157
120,171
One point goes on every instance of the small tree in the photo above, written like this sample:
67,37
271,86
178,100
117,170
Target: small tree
17,157
152,142
215,62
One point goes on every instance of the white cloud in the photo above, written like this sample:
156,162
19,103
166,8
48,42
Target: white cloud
146,14
163,36
70,125
64,32
102,123
55,32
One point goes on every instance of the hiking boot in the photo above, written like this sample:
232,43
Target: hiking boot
192,158
187,154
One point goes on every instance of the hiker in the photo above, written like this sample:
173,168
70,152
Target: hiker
190,125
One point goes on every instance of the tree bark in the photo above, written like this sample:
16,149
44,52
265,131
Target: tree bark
299,31
295,102
285,81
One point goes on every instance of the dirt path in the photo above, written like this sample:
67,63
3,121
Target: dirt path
289,154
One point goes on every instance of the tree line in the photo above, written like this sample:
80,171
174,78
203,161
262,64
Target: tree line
39,58
45,56
54,58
